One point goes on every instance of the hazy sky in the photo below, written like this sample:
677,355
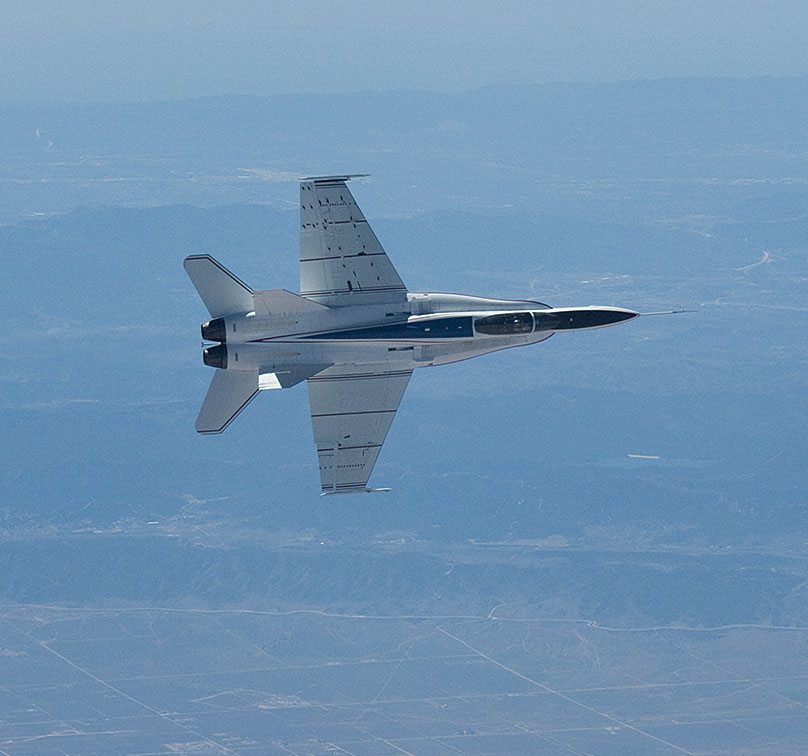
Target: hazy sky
89,51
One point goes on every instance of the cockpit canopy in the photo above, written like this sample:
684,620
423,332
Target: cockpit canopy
505,324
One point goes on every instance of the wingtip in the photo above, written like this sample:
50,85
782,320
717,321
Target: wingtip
340,177
332,492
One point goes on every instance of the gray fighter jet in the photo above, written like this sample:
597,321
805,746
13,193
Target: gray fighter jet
354,333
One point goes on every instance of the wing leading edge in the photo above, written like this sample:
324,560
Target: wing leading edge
341,260
352,408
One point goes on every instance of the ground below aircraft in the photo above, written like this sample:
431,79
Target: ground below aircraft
354,333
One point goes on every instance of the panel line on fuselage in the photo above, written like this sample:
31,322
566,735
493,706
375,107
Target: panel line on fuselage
364,289
360,376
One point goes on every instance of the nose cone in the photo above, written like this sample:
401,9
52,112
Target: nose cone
582,318
598,317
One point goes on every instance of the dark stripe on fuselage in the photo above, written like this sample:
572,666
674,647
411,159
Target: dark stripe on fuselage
441,328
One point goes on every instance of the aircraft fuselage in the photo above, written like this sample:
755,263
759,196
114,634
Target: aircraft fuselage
342,335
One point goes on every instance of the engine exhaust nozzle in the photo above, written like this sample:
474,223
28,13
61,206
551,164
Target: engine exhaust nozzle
215,330
215,356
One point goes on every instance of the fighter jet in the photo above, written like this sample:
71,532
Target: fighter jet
355,333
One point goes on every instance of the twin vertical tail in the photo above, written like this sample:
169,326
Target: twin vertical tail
222,293
225,296
229,393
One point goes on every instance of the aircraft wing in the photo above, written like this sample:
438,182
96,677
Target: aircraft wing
352,407
341,260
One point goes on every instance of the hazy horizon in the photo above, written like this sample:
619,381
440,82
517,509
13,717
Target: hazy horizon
94,52
592,545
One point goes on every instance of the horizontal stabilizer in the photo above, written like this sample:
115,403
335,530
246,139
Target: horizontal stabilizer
230,392
222,293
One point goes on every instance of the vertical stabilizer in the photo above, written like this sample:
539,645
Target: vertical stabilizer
230,392
222,293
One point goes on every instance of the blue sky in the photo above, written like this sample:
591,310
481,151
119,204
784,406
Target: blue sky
92,51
